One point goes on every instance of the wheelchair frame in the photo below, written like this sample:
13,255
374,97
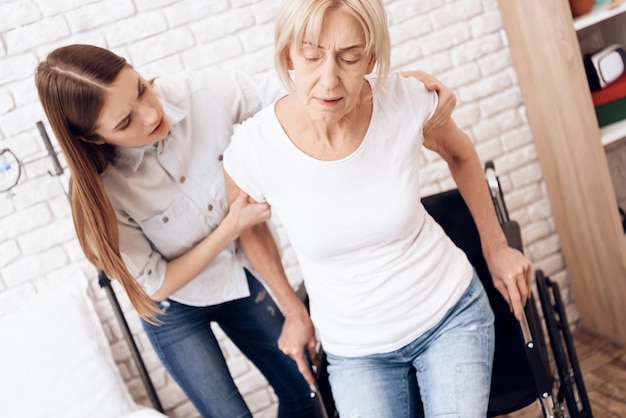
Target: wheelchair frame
570,385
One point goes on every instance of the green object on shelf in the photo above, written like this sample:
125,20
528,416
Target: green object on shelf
611,112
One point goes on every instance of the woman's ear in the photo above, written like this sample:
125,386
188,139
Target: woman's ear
95,141
289,61
371,64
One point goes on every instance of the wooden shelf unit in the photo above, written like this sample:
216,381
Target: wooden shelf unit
547,57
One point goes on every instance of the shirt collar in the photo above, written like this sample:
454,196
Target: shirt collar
131,157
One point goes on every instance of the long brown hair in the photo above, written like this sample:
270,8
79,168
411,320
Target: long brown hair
71,84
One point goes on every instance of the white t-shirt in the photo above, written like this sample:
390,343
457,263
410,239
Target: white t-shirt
170,195
378,269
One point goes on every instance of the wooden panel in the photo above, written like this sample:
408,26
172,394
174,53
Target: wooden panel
548,63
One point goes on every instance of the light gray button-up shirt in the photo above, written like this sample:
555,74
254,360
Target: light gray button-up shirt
170,195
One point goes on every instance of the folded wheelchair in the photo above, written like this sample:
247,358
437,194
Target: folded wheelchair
525,368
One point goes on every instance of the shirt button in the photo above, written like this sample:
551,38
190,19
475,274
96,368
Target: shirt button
182,179
220,157
166,219
149,272
210,207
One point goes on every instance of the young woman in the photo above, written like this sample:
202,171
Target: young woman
338,160
150,210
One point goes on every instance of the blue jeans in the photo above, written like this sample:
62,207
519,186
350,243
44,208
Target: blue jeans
190,353
451,363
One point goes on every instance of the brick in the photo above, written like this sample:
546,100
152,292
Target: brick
399,11
441,40
16,67
434,64
517,137
474,49
486,23
6,102
466,115
93,15
167,65
25,220
47,237
508,120
527,174
462,75
409,30
222,25
506,99
193,9
258,38
455,12
550,264
23,92
17,13
211,54
56,7
261,61
263,12
135,28
544,247
487,87
536,231
161,46
27,269
147,5
9,251
499,60
37,190
258,401
27,37
250,382
488,150
484,130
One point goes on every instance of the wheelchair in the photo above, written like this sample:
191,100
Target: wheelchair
526,368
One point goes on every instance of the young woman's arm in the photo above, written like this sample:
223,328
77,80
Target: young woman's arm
183,269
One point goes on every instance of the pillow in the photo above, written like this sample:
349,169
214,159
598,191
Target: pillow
55,360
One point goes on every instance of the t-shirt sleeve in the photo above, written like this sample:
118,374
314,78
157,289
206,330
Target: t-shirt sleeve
242,163
423,101
248,93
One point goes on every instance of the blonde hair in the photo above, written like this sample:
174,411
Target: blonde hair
300,21
71,84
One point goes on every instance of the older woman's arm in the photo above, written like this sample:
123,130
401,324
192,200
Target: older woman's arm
509,268
297,339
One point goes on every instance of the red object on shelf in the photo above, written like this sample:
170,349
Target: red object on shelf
612,92
581,7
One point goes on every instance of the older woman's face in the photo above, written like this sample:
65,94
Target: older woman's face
330,77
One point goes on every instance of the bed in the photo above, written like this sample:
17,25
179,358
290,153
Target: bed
55,360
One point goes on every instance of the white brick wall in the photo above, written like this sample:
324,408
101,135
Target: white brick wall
460,41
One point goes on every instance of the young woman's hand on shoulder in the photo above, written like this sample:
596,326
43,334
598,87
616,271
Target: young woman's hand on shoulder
447,98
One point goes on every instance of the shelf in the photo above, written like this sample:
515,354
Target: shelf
599,13
613,132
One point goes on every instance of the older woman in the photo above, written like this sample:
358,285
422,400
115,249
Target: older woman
338,160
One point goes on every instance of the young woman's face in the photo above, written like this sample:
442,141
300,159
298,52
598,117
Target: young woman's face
132,115
329,77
